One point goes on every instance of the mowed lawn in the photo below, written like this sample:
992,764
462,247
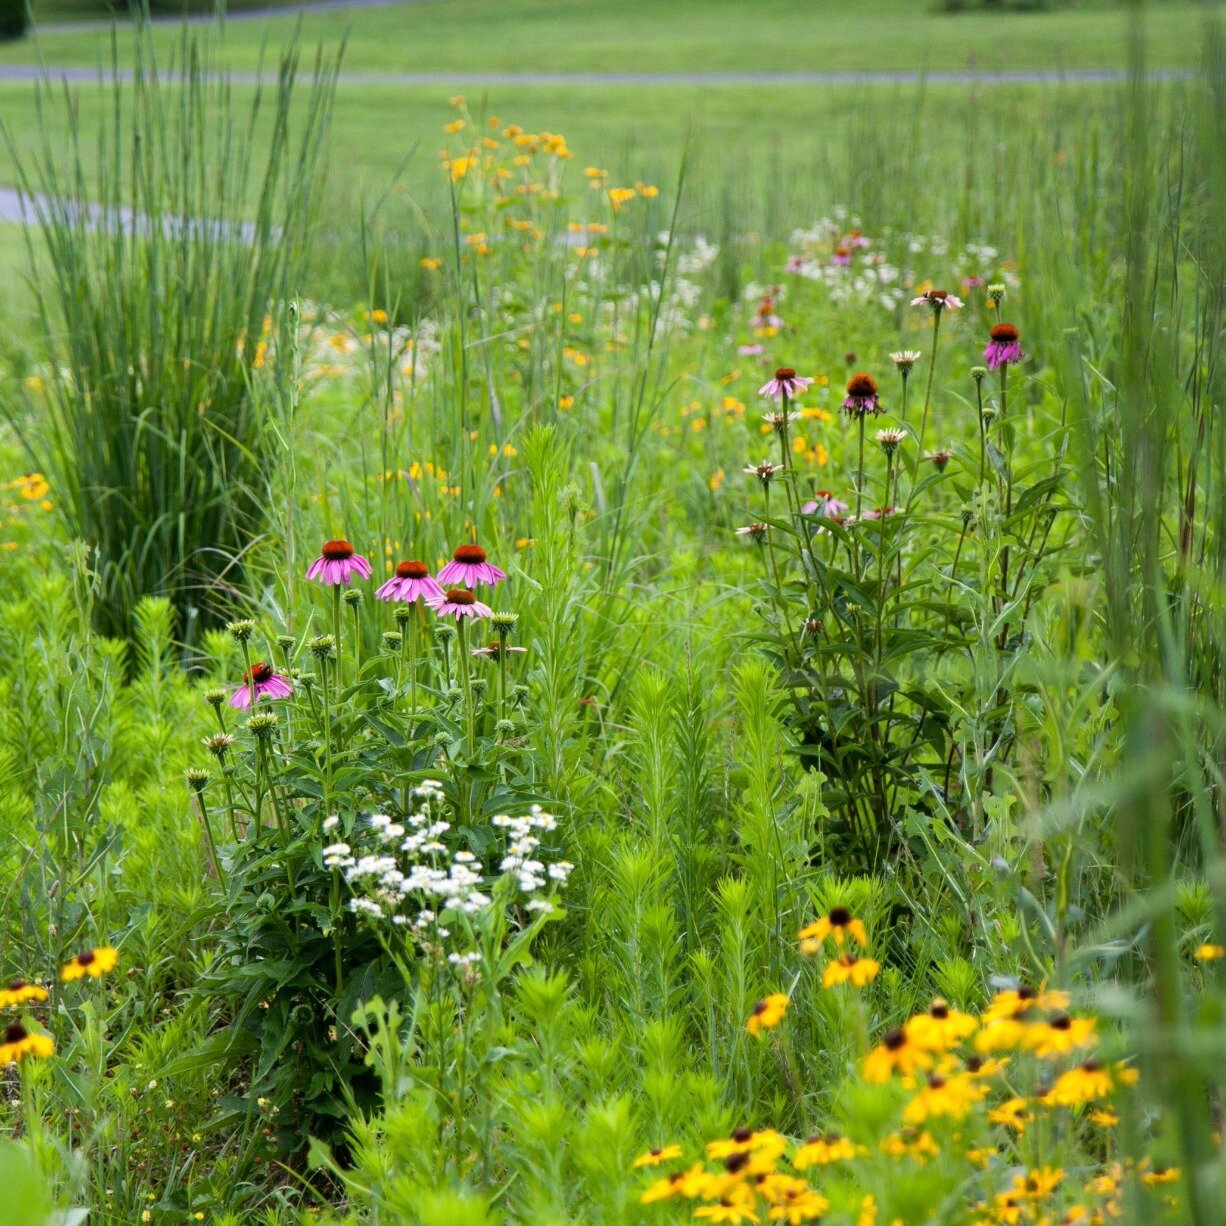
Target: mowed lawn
525,36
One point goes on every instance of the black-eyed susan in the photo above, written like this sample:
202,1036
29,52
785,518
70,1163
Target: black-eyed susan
1037,1183
940,1028
654,1157
17,1042
1209,952
796,1202
822,1150
1058,1036
1080,1085
1012,1113
839,923
734,1205
847,968
1159,1175
767,1013
738,1143
92,962
896,1053
19,992
914,1143
952,1097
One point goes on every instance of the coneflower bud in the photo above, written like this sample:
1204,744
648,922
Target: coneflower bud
286,643
402,613
888,440
219,744
196,778
444,632
979,373
504,623
263,725
322,646
242,630
479,686
504,728
996,293
353,597
215,697
393,640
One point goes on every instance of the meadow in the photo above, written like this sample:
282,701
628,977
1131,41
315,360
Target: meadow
615,654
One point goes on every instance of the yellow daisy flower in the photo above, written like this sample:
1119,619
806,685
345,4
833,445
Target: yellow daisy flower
17,1042
19,992
92,962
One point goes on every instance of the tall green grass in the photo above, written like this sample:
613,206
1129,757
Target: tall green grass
168,265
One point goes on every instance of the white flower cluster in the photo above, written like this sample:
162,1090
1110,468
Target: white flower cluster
412,877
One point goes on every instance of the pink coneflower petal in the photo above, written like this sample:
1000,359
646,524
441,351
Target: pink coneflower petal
785,383
458,602
338,563
267,684
469,567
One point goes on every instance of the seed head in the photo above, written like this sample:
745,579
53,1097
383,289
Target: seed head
196,778
322,646
353,597
242,630
504,623
215,697
263,725
285,642
219,744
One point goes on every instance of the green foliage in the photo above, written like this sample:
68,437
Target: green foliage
14,18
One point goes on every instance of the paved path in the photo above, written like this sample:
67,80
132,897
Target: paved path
1104,76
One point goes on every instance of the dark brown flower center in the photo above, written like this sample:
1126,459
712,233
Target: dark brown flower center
742,1135
939,1010
735,1162
833,1138
86,957
460,595
1091,1066
1063,1022
14,1032
938,295
337,551
973,1064
1026,993
862,385
472,554
839,917
15,985
894,1039
1005,333
411,570
842,251
785,372
259,672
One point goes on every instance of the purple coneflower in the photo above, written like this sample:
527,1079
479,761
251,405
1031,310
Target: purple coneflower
938,300
795,263
756,532
889,440
410,582
496,650
904,359
264,681
751,351
1004,348
764,472
824,503
337,563
862,395
458,602
469,567
940,459
785,383
856,239
841,256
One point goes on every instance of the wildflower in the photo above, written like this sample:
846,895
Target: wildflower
215,697
940,1028
737,1204
825,504
785,384
196,779
995,293
940,459
777,421
663,1189
947,1096
847,968
18,1042
19,992
797,1202
1011,1113
1060,1035
841,257
889,440
1209,953
338,563
469,567
862,395
496,650
92,962
1160,1175
242,630
1036,1184
904,359
764,472
820,1151
839,923
767,1013
262,726
1004,348
755,532
740,1142
653,1157
458,602
911,1143
751,350
264,681
938,299
411,582
897,1052
1079,1085
1104,1118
